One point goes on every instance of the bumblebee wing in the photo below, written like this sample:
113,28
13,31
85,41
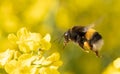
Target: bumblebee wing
95,23
88,27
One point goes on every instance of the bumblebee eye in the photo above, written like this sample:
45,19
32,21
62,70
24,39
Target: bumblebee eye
66,35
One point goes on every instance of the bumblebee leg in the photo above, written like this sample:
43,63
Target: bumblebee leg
65,43
97,54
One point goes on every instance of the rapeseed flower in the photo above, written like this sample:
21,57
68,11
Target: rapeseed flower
113,68
29,57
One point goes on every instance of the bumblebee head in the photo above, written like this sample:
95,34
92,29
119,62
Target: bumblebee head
67,36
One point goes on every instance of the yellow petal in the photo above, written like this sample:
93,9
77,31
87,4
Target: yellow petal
12,37
26,59
6,56
113,68
11,66
54,57
34,37
116,63
44,45
22,33
47,38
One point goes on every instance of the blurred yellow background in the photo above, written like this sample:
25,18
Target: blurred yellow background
56,17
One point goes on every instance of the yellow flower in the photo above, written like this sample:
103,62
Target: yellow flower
29,57
11,66
116,63
27,63
113,68
52,61
20,66
45,43
26,40
48,70
6,56
49,65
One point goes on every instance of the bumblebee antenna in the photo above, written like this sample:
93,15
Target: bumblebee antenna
58,40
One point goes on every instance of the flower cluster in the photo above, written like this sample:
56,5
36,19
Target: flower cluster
29,58
113,68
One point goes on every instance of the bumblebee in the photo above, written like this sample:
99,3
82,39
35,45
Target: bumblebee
86,37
